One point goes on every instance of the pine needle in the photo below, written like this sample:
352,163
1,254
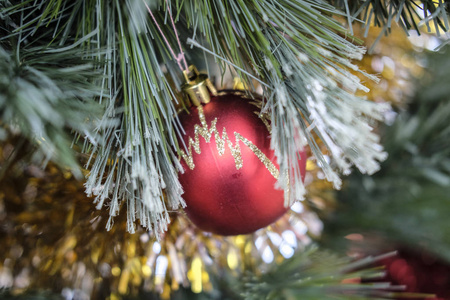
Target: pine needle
295,47
44,97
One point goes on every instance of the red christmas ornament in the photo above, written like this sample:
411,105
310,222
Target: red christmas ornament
229,185
420,272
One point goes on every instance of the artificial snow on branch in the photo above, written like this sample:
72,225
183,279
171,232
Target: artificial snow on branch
295,48
302,56
43,95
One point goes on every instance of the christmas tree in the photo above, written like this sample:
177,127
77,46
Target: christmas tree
127,174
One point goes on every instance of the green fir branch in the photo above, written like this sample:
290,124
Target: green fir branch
135,161
299,52
408,14
314,274
49,98
407,201
144,162
295,47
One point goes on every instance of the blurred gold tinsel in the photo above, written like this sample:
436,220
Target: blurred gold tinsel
53,238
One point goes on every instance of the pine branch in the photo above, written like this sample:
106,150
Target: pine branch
46,95
135,160
408,201
138,161
408,14
296,48
315,274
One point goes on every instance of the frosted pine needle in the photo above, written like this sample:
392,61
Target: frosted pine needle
295,48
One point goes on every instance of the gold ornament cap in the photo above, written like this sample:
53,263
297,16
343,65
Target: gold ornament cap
198,87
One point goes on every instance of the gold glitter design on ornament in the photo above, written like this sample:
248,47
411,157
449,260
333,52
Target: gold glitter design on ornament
207,133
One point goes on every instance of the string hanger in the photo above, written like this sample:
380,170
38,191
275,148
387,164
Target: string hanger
180,57
197,86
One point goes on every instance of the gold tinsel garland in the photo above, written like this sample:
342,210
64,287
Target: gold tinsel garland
53,238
